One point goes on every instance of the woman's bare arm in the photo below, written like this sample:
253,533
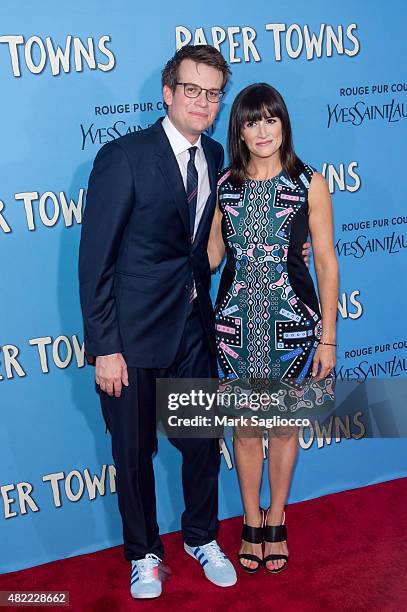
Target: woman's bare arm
326,268
216,246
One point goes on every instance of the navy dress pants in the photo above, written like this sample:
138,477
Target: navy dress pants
131,421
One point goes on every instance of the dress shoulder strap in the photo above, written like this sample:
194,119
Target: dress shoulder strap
306,175
223,175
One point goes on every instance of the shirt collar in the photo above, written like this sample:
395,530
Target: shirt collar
178,142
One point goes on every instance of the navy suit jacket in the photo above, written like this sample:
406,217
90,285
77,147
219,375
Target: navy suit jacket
136,260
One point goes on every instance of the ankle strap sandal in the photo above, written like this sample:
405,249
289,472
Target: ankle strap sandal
253,535
275,533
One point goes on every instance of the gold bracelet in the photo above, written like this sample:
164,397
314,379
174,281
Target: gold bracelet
327,343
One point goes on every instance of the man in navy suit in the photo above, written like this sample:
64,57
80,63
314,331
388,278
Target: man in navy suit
144,283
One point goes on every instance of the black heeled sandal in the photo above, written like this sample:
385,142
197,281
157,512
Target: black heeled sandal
253,535
275,533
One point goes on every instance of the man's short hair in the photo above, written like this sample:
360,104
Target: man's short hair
201,54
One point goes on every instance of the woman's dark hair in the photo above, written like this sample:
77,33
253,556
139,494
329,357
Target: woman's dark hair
201,54
253,103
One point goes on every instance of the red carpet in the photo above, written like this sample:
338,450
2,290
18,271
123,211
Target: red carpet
348,552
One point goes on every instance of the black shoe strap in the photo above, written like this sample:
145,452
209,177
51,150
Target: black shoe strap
254,535
274,557
250,557
277,533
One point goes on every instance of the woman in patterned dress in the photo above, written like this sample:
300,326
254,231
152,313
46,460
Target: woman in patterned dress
268,321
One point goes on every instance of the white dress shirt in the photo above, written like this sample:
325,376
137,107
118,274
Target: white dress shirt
180,146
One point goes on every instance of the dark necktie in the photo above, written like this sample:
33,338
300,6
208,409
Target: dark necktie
192,189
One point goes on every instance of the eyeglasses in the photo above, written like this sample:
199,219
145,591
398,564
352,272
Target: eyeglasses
194,91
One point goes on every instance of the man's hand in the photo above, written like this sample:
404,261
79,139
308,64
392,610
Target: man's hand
111,373
306,247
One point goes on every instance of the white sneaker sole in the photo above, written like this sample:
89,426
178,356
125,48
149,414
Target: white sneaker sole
145,595
219,584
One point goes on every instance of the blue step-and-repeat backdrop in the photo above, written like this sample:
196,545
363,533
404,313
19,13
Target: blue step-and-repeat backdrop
76,75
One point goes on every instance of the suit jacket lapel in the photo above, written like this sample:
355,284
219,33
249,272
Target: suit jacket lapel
210,160
212,173
168,165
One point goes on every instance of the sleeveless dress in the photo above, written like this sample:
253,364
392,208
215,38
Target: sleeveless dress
268,321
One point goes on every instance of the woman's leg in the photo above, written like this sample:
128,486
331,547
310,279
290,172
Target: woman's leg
249,464
282,452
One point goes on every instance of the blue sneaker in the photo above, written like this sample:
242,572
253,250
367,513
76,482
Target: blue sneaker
217,567
145,582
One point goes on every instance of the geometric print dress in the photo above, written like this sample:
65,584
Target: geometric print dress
268,321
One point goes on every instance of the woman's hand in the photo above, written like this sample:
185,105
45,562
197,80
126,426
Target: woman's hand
324,361
306,248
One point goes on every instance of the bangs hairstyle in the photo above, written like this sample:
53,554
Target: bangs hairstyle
256,102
